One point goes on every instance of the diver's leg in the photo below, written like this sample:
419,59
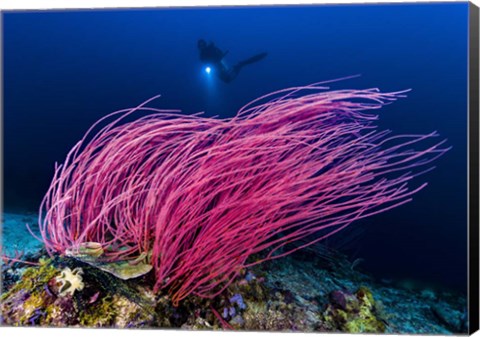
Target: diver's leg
251,60
225,73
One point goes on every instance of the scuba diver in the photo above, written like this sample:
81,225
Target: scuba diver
214,57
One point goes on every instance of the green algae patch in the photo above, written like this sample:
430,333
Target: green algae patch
27,301
353,313
32,278
115,311
100,314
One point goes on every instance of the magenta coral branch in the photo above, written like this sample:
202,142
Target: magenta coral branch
204,195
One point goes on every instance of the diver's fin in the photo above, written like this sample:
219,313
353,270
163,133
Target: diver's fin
252,59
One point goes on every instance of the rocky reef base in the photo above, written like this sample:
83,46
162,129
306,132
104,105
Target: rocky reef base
306,292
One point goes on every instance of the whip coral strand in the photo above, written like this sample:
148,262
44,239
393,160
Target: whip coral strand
203,194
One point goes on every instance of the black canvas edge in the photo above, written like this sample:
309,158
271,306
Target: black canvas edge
473,197
2,133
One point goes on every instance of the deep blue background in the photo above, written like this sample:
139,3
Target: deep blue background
64,70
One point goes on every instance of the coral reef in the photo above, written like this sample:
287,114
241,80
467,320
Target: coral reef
292,294
175,220
55,295
196,198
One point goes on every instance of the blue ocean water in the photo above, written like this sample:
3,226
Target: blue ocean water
64,70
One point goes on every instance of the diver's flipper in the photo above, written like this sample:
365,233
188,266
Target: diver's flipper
252,59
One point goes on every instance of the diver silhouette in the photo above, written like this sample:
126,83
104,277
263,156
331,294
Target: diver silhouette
214,57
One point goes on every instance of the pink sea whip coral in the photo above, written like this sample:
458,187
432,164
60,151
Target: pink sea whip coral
202,195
